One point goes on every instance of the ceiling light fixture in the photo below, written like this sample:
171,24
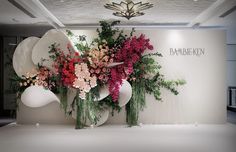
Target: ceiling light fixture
128,8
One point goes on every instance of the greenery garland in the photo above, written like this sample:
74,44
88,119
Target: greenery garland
142,85
136,103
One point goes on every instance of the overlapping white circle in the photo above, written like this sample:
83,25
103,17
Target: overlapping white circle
22,61
38,96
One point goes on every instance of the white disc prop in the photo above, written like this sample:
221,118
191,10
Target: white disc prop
104,115
103,93
37,96
41,49
125,93
22,61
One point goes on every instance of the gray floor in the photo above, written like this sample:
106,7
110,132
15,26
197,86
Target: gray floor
119,138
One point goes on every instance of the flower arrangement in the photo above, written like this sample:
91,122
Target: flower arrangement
40,76
88,68
130,53
99,58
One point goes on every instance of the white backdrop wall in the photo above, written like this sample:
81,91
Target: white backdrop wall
201,100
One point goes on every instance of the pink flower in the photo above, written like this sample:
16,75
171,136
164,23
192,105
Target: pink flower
104,69
130,53
98,71
100,77
91,71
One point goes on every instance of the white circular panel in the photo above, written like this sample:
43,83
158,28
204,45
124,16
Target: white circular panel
38,96
41,49
22,61
125,93
103,93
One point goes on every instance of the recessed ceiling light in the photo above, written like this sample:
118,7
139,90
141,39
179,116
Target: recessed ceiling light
195,0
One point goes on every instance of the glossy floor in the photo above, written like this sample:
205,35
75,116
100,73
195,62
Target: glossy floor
147,138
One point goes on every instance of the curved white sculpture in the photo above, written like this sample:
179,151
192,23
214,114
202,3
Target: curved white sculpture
41,49
104,115
38,96
22,61
125,93
103,93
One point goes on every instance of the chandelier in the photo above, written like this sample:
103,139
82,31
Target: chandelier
128,8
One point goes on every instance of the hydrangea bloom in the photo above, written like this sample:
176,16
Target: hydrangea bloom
99,58
83,81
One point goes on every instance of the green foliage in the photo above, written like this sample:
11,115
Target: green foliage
142,83
155,84
60,88
113,36
92,108
148,66
15,79
63,97
107,32
81,43
108,102
86,109
80,112
136,103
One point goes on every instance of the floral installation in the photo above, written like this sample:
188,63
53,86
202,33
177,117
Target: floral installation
88,68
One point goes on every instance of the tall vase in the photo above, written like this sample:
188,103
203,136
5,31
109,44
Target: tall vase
80,112
136,103
86,110
63,98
